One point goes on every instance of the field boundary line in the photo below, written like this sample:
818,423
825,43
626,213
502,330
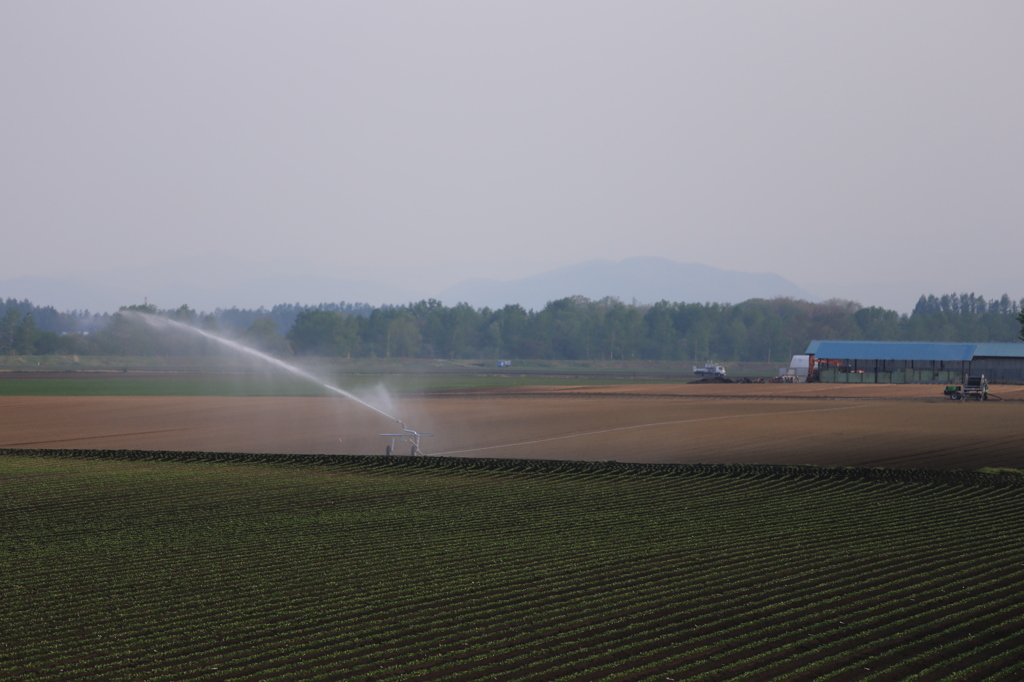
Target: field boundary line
71,440
643,426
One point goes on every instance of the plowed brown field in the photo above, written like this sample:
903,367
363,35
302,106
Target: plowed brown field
891,426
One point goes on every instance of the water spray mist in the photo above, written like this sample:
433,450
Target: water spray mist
407,435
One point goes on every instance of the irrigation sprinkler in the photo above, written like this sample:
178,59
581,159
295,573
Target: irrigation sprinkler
407,436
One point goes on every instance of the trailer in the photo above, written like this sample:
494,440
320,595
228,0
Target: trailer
974,387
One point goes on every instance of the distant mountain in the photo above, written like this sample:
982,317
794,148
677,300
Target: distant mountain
209,281
646,279
204,283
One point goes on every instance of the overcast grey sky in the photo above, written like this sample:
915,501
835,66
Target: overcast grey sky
851,147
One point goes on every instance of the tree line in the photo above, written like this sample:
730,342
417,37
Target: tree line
573,328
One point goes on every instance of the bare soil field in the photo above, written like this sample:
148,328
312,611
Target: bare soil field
908,426
815,391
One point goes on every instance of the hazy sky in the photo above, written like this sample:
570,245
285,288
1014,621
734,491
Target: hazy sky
851,147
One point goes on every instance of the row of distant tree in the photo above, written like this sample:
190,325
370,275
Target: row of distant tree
968,304
574,328
47,318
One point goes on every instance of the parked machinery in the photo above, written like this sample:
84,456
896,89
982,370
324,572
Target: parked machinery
973,387
406,436
710,370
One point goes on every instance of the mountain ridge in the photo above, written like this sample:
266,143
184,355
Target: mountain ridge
209,283
646,279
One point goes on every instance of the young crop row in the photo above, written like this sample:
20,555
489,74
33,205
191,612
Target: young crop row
575,469
125,566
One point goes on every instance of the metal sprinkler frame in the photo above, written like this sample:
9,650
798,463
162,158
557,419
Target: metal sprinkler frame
407,436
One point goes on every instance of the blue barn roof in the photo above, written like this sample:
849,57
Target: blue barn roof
999,350
895,350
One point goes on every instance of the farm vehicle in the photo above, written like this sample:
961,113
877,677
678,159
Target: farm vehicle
973,387
710,370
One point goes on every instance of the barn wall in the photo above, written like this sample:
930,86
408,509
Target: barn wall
1000,370
908,376
1003,370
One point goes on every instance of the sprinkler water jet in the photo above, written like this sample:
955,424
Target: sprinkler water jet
407,436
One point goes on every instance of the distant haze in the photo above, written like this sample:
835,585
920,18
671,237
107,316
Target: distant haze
863,150
222,282
645,280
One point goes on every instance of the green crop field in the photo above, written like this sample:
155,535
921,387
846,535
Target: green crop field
266,384
160,566
148,385
232,376
612,369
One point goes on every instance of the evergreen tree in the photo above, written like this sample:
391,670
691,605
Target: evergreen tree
322,332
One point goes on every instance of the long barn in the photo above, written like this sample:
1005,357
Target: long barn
900,362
